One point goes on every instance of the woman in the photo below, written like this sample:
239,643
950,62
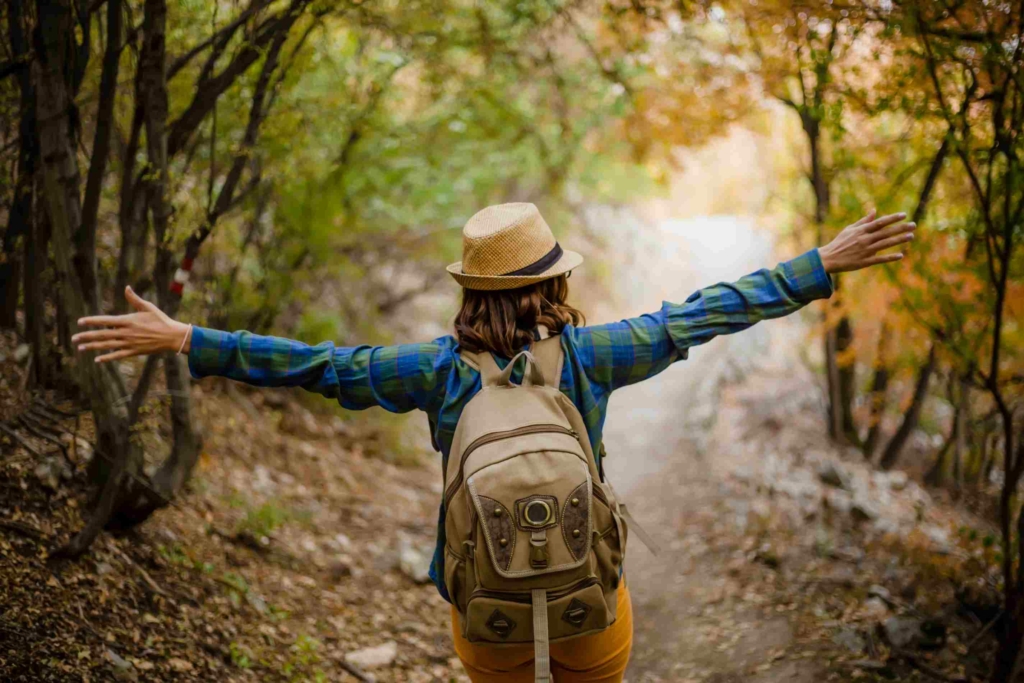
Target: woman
514,278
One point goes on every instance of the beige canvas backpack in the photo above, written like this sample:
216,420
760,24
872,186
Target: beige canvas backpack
535,539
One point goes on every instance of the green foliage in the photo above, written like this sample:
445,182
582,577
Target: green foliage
240,655
175,555
238,588
303,661
263,521
383,141
179,556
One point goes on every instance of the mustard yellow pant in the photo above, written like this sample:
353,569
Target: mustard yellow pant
599,658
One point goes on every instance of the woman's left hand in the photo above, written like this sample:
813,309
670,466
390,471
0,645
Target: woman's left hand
857,246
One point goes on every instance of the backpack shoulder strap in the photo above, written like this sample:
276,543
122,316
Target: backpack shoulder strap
548,353
484,364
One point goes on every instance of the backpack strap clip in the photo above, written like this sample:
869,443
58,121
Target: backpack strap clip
539,548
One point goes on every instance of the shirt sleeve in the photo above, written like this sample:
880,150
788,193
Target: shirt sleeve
397,378
622,353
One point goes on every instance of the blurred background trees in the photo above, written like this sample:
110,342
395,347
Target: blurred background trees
306,165
303,167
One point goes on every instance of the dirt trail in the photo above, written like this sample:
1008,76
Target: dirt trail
705,609
665,461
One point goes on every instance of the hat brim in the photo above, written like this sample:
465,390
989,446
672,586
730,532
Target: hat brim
569,260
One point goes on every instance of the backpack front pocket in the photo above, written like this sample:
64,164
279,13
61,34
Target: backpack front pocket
507,618
525,506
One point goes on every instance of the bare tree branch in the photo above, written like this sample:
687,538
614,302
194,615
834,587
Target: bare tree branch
222,36
208,90
104,124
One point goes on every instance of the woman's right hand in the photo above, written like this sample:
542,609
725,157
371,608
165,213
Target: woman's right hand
857,246
148,330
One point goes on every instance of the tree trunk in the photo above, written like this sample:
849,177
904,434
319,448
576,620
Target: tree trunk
61,181
879,387
936,474
1011,631
177,467
821,203
153,87
880,383
1008,653
929,182
20,215
988,463
963,432
847,380
910,418
104,130
10,279
939,473
132,209
974,469
835,426
35,263
840,379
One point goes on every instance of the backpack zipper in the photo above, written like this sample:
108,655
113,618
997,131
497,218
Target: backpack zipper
525,597
498,436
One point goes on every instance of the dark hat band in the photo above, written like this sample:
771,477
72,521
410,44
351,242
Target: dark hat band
540,265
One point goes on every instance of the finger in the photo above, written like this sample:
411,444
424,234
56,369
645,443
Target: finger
899,229
137,302
102,345
867,219
117,355
884,221
882,258
892,241
96,335
103,321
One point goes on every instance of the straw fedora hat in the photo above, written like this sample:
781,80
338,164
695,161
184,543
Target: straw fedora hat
508,246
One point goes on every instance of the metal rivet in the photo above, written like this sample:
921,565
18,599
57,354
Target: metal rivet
575,501
503,542
575,533
497,512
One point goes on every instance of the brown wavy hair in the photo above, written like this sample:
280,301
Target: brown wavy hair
503,321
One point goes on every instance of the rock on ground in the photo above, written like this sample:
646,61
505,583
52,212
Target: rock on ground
374,657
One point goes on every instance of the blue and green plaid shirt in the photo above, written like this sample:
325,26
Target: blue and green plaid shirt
433,377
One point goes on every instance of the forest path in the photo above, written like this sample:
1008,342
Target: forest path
672,456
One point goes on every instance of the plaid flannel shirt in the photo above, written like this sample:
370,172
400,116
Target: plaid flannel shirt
432,376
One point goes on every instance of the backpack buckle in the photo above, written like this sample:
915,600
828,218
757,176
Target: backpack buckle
539,549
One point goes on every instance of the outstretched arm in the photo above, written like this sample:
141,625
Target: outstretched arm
621,353
397,378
